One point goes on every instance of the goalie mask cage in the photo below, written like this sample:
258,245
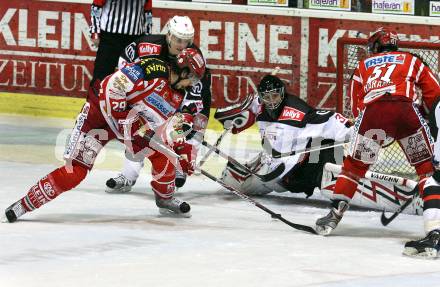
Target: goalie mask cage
350,51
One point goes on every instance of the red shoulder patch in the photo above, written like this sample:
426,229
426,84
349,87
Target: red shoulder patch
291,114
147,49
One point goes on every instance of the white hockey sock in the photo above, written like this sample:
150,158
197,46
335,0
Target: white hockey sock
431,218
132,169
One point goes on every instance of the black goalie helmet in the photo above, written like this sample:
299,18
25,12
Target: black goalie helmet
271,92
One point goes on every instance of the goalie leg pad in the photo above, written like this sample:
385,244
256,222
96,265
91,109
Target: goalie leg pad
242,180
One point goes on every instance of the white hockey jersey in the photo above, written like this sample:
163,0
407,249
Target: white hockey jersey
298,126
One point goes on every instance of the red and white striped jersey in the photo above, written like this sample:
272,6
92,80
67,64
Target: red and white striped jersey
140,88
395,73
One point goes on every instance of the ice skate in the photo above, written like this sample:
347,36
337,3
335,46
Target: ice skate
119,184
173,207
326,224
13,212
427,247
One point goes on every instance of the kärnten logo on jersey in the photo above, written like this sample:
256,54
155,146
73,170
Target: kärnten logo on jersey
385,59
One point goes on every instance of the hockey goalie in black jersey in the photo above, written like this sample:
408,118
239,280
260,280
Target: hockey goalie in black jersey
286,123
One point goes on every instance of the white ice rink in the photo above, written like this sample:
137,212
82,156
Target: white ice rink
89,238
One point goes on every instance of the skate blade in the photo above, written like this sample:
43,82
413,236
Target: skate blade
164,212
3,219
429,253
118,190
323,230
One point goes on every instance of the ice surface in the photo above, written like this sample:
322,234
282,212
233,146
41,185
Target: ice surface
87,237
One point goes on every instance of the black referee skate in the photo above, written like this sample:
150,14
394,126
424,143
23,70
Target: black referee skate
119,184
173,207
14,211
326,224
427,247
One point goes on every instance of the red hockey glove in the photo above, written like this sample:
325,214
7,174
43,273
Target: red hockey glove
188,156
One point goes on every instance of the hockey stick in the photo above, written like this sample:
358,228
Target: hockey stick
263,177
396,180
217,143
278,216
387,220
166,150
276,154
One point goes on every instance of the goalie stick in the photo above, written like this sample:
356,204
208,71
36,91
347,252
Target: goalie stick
276,154
263,177
278,216
386,220
217,143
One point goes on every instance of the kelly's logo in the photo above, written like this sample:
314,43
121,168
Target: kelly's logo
291,114
145,49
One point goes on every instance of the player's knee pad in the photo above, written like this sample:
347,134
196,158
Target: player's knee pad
84,144
416,148
365,149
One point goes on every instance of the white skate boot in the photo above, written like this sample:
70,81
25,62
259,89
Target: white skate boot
326,224
173,207
13,212
119,184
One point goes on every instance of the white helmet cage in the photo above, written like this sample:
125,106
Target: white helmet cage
181,27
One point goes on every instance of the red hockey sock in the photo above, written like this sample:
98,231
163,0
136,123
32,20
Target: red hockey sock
52,185
164,173
347,181
163,190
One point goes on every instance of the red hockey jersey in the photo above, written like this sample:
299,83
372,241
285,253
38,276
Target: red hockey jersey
395,73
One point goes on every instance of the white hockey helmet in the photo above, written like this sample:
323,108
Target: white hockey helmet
181,27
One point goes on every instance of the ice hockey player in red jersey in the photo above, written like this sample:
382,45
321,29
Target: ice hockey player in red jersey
429,247
384,83
286,124
179,35
136,100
